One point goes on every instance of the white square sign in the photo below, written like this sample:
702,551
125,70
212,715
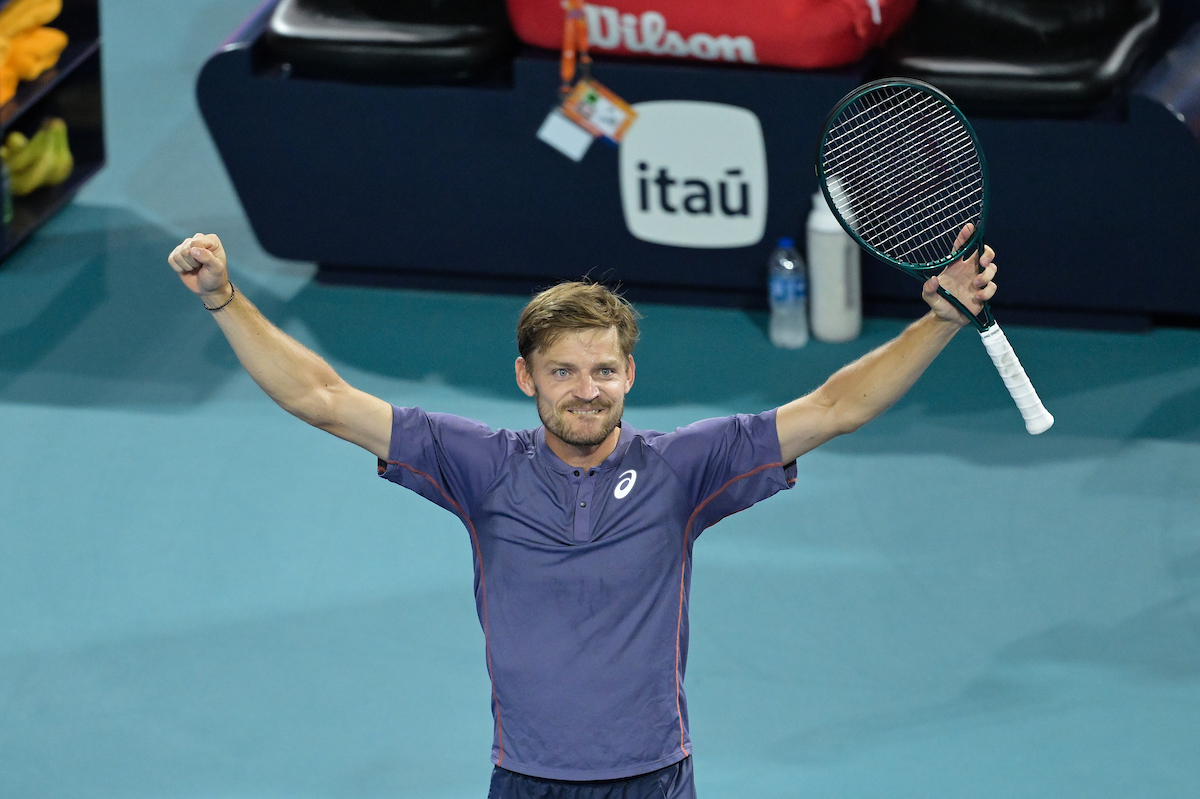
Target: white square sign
694,175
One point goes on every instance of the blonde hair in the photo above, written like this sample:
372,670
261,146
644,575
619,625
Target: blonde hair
578,305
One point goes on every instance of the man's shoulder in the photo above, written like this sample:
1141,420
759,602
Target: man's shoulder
451,428
711,427
456,420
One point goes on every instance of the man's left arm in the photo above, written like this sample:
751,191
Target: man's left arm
862,390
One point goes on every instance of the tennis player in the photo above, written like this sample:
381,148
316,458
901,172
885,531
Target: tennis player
582,530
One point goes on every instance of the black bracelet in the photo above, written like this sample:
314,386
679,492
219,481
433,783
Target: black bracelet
232,294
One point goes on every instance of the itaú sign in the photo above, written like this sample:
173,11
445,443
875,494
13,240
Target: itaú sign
694,174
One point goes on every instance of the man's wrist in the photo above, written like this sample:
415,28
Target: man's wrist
959,321
951,326
216,300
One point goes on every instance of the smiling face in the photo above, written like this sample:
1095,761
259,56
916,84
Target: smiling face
579,381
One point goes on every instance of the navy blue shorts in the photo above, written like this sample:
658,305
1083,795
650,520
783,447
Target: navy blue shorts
672,782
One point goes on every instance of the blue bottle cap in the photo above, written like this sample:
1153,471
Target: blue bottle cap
787,242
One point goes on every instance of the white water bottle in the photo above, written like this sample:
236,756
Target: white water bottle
834,276
789,296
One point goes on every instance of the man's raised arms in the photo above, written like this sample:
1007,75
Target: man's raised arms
297,379
859,392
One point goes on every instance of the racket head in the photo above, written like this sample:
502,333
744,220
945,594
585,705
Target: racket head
903,172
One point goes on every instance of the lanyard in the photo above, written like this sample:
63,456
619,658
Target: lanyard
575,41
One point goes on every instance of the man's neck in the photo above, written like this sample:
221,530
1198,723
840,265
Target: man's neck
583,457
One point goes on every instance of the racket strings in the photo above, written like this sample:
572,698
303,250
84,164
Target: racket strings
895,145
886,218
930,215
860,128
957,163
885,224
914,210
905,172
902,179
861,153
866,136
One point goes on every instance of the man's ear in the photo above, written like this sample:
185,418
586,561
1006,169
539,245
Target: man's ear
524,379
629,376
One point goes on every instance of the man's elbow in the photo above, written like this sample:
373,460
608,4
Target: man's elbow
853,415
317,406
844,417
844,425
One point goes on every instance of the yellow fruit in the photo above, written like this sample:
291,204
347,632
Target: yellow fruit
15,141
35,51
64,162
22,15
30,166
8,82
29,180
27,155
44,160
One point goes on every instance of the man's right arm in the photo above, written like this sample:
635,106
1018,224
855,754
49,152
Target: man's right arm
296,378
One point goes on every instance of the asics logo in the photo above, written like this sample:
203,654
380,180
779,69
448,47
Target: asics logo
625,484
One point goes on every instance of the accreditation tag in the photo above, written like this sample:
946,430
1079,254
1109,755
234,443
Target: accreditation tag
598,111
588,110
565,136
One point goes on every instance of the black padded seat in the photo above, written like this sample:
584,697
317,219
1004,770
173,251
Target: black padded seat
391,40
1023,56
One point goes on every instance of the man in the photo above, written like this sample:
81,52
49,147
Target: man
582,530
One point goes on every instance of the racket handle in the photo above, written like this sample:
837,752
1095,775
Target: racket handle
1037,418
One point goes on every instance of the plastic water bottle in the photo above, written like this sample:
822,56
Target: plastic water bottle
834,276
789,296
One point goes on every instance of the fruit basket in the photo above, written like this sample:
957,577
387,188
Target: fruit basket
61,101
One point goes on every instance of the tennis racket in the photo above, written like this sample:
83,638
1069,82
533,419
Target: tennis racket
903,172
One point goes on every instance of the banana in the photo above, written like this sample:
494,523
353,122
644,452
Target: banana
64,162
25,181
22,15
44,160
15,141
29,154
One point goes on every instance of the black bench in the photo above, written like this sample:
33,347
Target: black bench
1026,57
386,41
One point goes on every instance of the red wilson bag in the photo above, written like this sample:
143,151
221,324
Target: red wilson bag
803,34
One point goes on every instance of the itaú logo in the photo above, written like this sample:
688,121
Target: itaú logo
608,29
694,175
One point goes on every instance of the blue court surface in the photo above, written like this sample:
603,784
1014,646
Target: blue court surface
201,597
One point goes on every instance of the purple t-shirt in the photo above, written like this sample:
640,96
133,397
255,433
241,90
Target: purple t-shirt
582,576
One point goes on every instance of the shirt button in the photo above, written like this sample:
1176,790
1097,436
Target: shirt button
591,473
576,472
583,504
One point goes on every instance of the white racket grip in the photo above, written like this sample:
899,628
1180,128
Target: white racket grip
1037,418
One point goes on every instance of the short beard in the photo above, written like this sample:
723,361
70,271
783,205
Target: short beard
556,423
